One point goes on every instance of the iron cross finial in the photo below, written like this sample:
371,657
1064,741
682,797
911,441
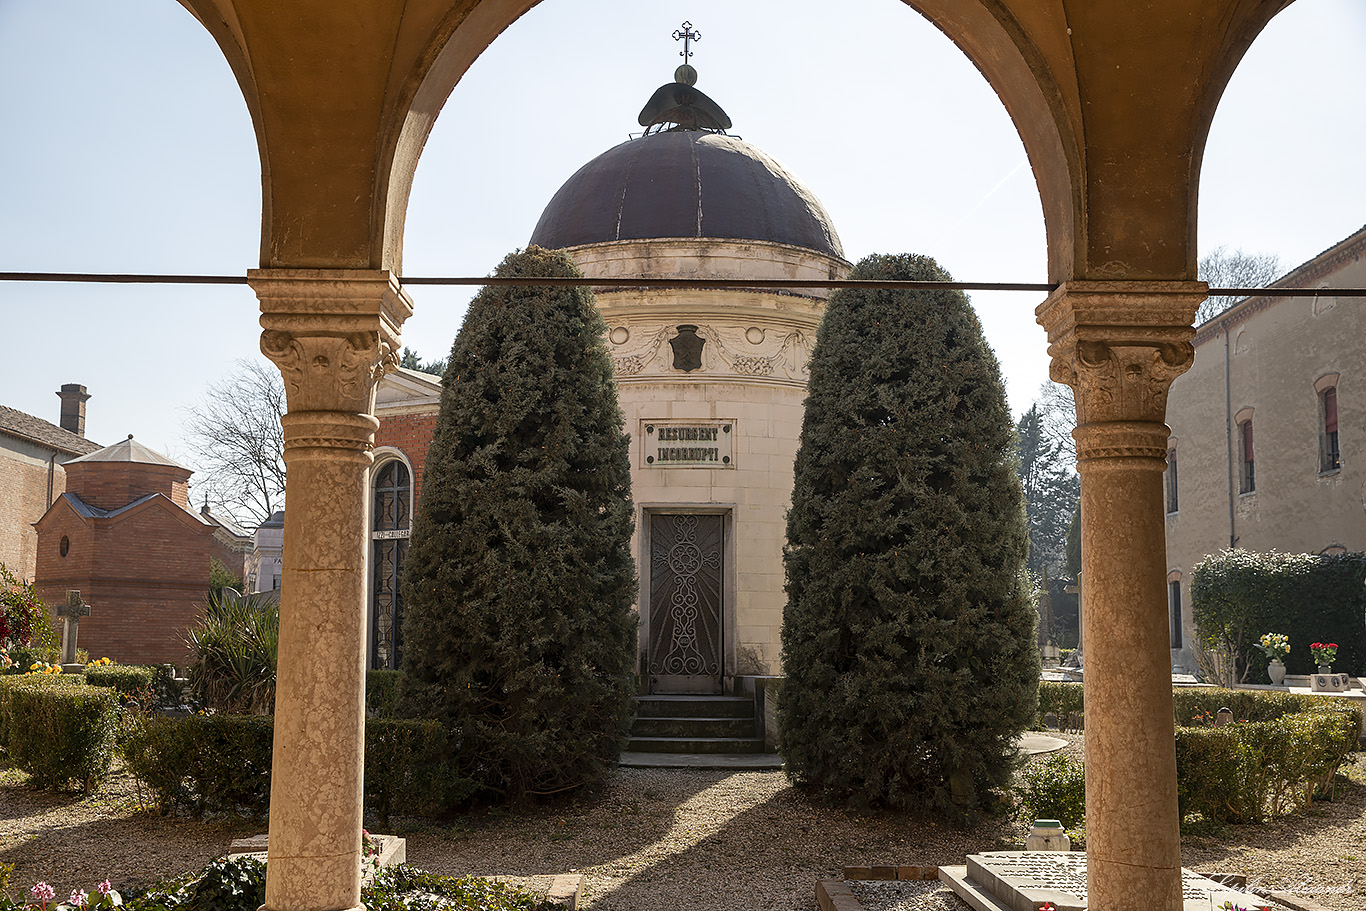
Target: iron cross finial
687,34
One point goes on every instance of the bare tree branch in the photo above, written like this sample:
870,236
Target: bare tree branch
1223,269
238,443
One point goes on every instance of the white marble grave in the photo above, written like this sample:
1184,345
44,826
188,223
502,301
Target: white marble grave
1024,880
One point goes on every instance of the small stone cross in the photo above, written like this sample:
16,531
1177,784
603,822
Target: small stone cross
71,613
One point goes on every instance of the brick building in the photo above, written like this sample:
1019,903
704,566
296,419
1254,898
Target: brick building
123,534
406,403
33,455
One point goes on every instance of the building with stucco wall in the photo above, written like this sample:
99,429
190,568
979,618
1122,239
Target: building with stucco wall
1268,429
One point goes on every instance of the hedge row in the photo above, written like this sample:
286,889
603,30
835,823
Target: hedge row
1192,704
58,730
1281,754
221,763
1237,595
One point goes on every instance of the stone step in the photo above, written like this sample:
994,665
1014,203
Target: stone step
695,706
695,745
693,727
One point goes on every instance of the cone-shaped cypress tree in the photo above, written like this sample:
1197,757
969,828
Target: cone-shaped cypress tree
908,636
518,630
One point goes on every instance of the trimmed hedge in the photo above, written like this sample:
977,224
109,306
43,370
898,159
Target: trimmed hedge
1236,595
9,682
61,735
202,763
381,687
409,769
130,681
1281,754
1061,699
221,763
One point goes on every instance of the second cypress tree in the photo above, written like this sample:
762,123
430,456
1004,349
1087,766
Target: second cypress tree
518,630
908,636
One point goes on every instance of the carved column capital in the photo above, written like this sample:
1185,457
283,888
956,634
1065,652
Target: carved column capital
332,332
1119,345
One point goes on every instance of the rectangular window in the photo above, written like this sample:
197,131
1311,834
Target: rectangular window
1174,588
1331,456
1171,481
1247,477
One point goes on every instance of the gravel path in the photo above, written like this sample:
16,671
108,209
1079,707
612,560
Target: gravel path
657,839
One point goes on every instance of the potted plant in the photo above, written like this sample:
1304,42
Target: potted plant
1324,653
1275,646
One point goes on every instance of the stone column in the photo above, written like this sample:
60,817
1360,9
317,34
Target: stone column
1119,345
332,333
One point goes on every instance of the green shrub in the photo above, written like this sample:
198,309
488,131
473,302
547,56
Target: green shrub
202,763
408,769
25,656
130,681
221,763
61,735
518,631
381,688
24,619
908,634
1054,788
228,884
9,682
1237,595
1062,699
237,647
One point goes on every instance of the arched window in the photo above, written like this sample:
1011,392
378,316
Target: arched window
1172,500
391,523
1174,604
1330,456
1247,475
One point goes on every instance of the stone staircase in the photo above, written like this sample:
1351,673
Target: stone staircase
697,731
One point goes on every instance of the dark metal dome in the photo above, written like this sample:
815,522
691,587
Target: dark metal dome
685,184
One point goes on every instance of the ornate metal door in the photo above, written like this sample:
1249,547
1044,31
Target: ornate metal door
685,649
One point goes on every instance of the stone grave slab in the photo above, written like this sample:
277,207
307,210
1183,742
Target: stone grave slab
1024,880
393,851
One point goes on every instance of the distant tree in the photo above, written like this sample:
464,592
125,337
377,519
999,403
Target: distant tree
518,630
1051,492
1072,566
220,577
1223,269
412,361
238,444
908,635
1058,418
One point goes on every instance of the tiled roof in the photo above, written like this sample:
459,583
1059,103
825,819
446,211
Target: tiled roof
36,430
129,450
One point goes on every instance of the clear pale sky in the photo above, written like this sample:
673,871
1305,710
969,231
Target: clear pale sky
127,148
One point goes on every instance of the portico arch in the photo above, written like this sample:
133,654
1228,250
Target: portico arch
1113,103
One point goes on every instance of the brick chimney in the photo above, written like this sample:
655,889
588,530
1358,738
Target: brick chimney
73,408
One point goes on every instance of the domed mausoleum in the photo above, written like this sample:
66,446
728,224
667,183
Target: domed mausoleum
711,381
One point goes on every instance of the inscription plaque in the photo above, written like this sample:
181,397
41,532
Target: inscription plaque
680,444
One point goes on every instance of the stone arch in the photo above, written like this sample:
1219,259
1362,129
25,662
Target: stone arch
1112,112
